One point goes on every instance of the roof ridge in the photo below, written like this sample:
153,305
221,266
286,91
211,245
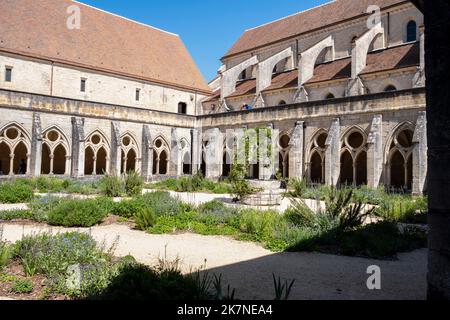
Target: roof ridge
292,15
125,18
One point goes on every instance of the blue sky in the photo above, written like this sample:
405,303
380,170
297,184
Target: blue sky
207,27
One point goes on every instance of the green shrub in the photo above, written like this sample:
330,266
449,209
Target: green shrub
112,186
258,223
403,209
219,210
134,183
240,188
51,255
79,213
15,192
84,188
137,282
15,214
145,218
22,287
380,240
297,188
299,213
128,208
5,253
46,184
162,203
195,183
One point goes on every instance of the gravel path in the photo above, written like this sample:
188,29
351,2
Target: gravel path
248,267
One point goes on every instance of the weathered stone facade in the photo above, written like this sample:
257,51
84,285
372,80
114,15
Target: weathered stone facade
344,104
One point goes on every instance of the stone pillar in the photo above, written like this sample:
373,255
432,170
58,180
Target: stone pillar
67,166
35,160
332,154
116,149
296,169
375,153
437,24
419,77
176,153
214,151
147,153
268,162
420,154
35,154
196,150
78,149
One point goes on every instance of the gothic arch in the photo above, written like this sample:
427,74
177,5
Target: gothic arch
285,148
316,156
161,153
354,157
398,157
15,140
97,151
130,153
55,152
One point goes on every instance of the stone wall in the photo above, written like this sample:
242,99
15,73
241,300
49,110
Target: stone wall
42,77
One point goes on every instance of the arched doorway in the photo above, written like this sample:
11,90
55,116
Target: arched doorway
317,158
316,168
96,155
129,153
226,164
284,155
400,166
20,159
5,153
54,153
160,157
354,158
14,148
187,166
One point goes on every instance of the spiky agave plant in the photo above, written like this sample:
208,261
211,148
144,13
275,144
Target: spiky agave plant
282,289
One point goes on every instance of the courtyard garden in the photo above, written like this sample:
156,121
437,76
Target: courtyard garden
356,222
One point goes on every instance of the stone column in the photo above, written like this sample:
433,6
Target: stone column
437,24
213,153
296,160
375,153
268,162
147,153
116,149
176,153
36,147
332,154
420,154
67,166
196,150
419,77
78,149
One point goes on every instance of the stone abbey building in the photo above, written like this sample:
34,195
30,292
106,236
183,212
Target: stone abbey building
343,86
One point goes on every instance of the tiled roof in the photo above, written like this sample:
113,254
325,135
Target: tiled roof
306,21
287,79
105,42
389,59
215,96
337,69
243,88
393,58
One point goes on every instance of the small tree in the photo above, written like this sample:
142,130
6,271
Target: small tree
240,187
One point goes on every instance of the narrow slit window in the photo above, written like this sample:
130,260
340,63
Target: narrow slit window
182,108
83,85
138,94
8,74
